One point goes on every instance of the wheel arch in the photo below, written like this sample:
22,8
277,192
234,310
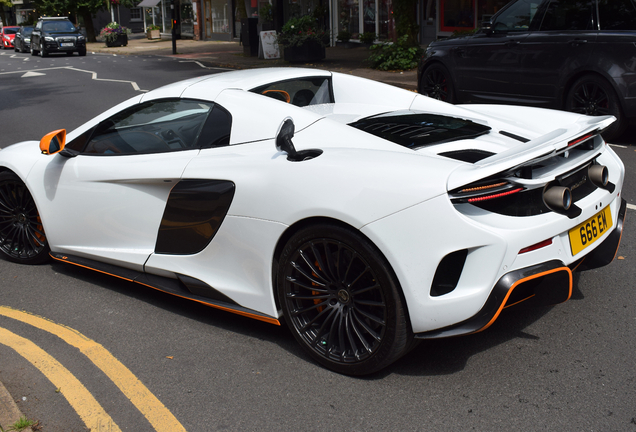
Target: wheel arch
432,62
304,223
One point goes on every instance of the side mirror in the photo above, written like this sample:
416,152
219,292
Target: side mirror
53,142
284,136
486,27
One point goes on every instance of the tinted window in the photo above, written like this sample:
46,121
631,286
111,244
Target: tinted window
10,30
520,16
568,15
58,26
300,92
216,130
617,14
152,127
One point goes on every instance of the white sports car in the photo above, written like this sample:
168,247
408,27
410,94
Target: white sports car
369,217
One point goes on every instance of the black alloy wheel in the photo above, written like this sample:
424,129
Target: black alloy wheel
592,95
43,52
22,237
436,83
341,300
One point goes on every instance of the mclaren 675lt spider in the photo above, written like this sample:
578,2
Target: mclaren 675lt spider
364,216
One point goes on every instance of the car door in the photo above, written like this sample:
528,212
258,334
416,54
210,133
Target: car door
489,65
107,202
36,34
557,50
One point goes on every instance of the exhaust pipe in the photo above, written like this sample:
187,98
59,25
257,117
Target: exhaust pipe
558,198
599,175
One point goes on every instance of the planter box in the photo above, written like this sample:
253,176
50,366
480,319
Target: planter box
122,40
308,52
153,34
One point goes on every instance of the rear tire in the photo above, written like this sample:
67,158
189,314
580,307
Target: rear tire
341,300
592,95
22,238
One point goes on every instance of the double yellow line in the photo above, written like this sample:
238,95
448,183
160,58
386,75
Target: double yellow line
89,410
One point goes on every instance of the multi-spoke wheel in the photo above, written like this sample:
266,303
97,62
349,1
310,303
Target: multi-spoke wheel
22,237
341,300
592,95
436,83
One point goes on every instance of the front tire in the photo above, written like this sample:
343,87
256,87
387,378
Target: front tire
436,83
22,238
43,52
341,300
81,52
592,95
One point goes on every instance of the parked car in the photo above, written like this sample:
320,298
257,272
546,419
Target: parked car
575,55
367,216
8,34
57,34
22,41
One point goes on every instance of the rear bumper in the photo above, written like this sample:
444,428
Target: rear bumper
549,283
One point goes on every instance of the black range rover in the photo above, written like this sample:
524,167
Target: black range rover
575,55
57,35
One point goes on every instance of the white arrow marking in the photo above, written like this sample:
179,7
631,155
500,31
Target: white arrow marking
31,74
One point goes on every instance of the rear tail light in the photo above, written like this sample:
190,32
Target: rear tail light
484,191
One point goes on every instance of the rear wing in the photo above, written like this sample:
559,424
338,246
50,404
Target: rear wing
531,152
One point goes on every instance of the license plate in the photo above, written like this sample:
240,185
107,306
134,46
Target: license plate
589,231
67,44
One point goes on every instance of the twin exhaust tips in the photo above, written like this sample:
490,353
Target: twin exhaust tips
559,198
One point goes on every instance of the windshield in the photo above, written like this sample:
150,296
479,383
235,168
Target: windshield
27,31
416,130
58,26
10,30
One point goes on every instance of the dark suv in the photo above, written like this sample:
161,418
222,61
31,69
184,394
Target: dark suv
57,35
576,55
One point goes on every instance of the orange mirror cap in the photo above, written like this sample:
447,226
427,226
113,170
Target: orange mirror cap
53,142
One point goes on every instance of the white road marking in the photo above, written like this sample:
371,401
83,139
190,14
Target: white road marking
31,74
631,206
616,145
93,75
203,66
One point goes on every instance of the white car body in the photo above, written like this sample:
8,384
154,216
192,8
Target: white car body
109,209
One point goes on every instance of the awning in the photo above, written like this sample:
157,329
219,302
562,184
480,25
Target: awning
148,3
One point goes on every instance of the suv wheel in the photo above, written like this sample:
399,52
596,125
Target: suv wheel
43,52
592,95
436,83
81,52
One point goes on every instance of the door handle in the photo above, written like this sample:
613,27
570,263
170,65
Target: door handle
512,43
577,42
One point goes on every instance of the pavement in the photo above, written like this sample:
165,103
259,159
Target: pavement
230,55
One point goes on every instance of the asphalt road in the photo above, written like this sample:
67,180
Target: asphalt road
569,367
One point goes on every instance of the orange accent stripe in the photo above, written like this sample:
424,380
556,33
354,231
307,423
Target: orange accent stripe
516,303
520,281
621,236
227,309
90,268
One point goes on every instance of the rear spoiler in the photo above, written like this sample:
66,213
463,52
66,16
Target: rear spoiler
530,152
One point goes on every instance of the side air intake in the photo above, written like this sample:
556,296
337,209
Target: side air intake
448,272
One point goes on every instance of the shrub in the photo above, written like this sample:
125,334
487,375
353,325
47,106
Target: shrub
395,56
367,37
298,31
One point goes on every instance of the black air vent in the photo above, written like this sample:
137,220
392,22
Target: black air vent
417,130
469,155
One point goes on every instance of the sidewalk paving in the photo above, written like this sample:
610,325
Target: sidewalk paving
230,55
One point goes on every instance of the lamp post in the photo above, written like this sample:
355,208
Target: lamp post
174,29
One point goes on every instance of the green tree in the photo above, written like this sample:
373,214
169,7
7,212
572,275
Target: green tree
4,3
405,15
